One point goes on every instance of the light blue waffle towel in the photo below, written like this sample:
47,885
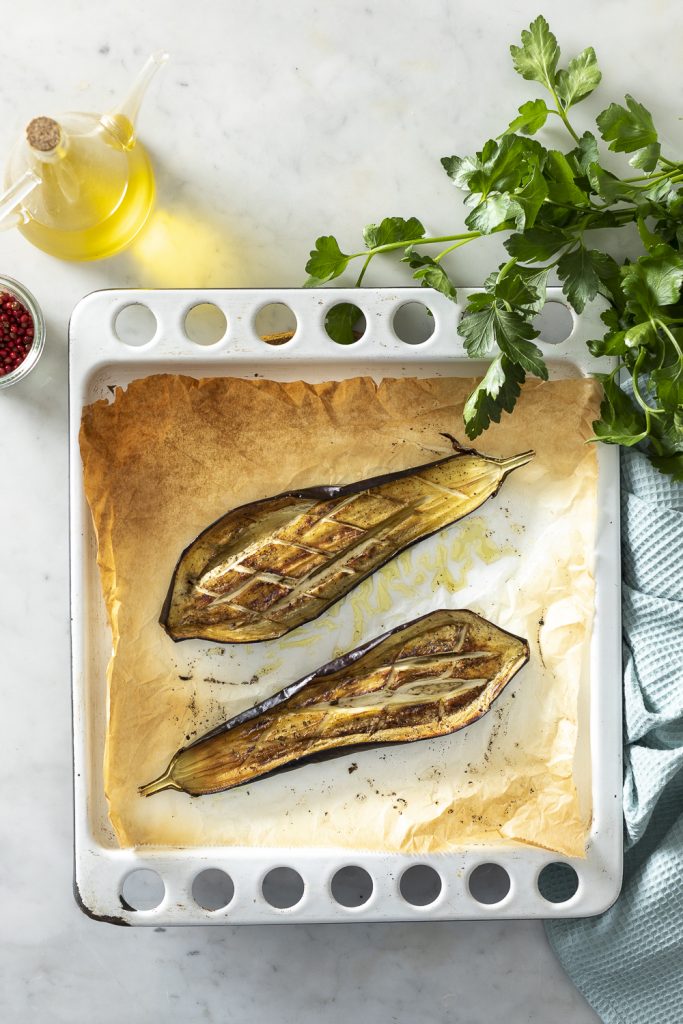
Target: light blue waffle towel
628,962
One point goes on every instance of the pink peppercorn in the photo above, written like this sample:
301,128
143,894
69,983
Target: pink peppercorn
16,333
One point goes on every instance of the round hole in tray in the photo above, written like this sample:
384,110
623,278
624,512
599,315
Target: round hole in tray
283,888
212,889
351,886
558,882
135,324
413,323
420,885
345,323
555,323
489,883
142,889
275,323
205,324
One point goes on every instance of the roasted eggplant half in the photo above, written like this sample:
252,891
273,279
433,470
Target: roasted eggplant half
427,678
265,568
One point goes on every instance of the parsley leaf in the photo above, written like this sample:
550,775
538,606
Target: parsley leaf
536,280
611,318
530,197
536,59
610,188
478,328
392,229
585,154
579,276
513,289
524,353
493,211
507,177
460,168
503,319
671,465
580,78
480,300
496,393
532,116
560,179
621,420
631,129
608,270
647,237
612,344
536,244
507,328
340,322
666,433
647,157
430,273
326,260
524,287
644,334
668,381
653,281
501,165
669,227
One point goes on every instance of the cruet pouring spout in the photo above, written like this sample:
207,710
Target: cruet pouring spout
120,121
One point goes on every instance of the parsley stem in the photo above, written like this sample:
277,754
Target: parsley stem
670,336
649,178
456,245
571,206
505,270
461,239
628,215
363,269
647,409
392,246
673,174
562,115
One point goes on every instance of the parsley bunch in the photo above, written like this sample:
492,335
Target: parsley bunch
550,201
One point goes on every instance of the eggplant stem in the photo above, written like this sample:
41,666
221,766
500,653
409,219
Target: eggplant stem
515,461
165,781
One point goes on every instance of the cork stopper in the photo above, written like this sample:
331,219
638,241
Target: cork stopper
43,133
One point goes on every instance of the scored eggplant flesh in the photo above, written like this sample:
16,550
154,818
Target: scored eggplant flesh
267,567
426,678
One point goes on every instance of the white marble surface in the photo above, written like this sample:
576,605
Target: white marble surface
272,124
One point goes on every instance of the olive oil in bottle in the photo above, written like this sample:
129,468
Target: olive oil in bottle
94,184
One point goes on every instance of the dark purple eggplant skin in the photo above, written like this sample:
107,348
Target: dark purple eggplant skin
318,493
340,663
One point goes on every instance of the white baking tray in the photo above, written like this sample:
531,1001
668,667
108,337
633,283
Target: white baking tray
98,361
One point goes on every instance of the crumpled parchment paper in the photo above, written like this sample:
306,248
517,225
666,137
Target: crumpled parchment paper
172,453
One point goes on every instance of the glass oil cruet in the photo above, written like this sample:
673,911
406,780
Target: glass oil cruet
81,186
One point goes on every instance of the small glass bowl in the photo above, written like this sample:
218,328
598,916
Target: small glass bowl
8,284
